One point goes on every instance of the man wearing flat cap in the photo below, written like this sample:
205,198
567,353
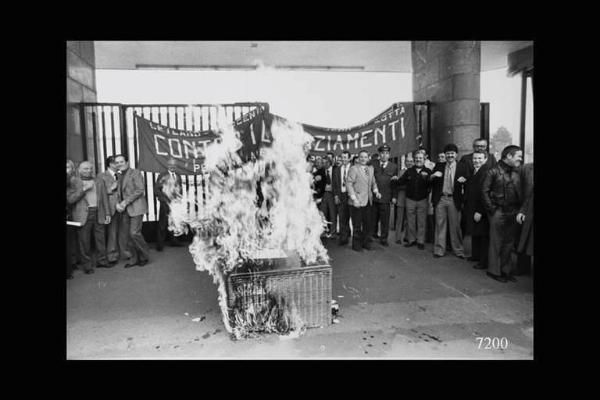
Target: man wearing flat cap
448,179
386,173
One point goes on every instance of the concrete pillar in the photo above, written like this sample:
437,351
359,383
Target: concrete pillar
447,73
81,87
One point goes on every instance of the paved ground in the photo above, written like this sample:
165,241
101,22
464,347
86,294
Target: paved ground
397,303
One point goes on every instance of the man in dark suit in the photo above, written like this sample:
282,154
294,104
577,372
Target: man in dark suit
340,194
479,145
448,179
525,215
109,179
328,206
318,181
90,204
502,199
416,180
361,187
386,173
133,206
477,227
172,181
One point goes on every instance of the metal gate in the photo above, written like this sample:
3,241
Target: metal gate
109,129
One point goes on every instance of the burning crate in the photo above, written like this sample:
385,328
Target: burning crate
273,294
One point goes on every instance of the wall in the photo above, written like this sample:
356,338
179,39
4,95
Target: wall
81,87
447,73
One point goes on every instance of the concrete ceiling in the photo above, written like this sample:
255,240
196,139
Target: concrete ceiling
372,56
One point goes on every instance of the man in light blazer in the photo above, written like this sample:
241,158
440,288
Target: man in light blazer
361,186
90,203
111,186
132,207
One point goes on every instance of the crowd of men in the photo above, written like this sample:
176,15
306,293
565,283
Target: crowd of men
110,206
474,205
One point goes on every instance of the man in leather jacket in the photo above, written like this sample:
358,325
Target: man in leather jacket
502,198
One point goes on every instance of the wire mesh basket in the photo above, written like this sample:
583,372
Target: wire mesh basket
307,289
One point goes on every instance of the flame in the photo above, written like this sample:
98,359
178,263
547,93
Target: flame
230,228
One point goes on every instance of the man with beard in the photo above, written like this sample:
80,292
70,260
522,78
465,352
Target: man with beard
502,198
90,208
109,179
361,186
447,196
340,192
385,173
477,227
172,180
133,206
417,184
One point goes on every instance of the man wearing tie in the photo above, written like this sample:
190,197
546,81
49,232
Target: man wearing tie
110,179
448,179
327,206
385,173
361,186
340,194
133,206
171,181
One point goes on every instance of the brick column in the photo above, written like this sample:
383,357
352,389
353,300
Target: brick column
447,74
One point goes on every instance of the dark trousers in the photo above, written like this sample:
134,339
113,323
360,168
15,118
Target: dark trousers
112,246
85,244
381,216
329,210
361,226
162,232
503,234
479,249
344,213
131,240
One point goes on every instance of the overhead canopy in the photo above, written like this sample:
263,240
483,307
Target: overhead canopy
368,56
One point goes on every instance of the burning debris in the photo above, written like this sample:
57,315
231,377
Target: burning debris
231,227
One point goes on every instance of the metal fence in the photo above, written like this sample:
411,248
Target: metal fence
109,129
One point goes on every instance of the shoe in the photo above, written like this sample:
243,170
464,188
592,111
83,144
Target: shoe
510,278
472,259
375,236
142,263
384,243
130,264
112,263
398,241
421,246
102,266
88,272
461,256
368,247
343,242
410,244
359,249
437,256
478,266
496,277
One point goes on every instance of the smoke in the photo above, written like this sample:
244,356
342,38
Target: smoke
229,228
